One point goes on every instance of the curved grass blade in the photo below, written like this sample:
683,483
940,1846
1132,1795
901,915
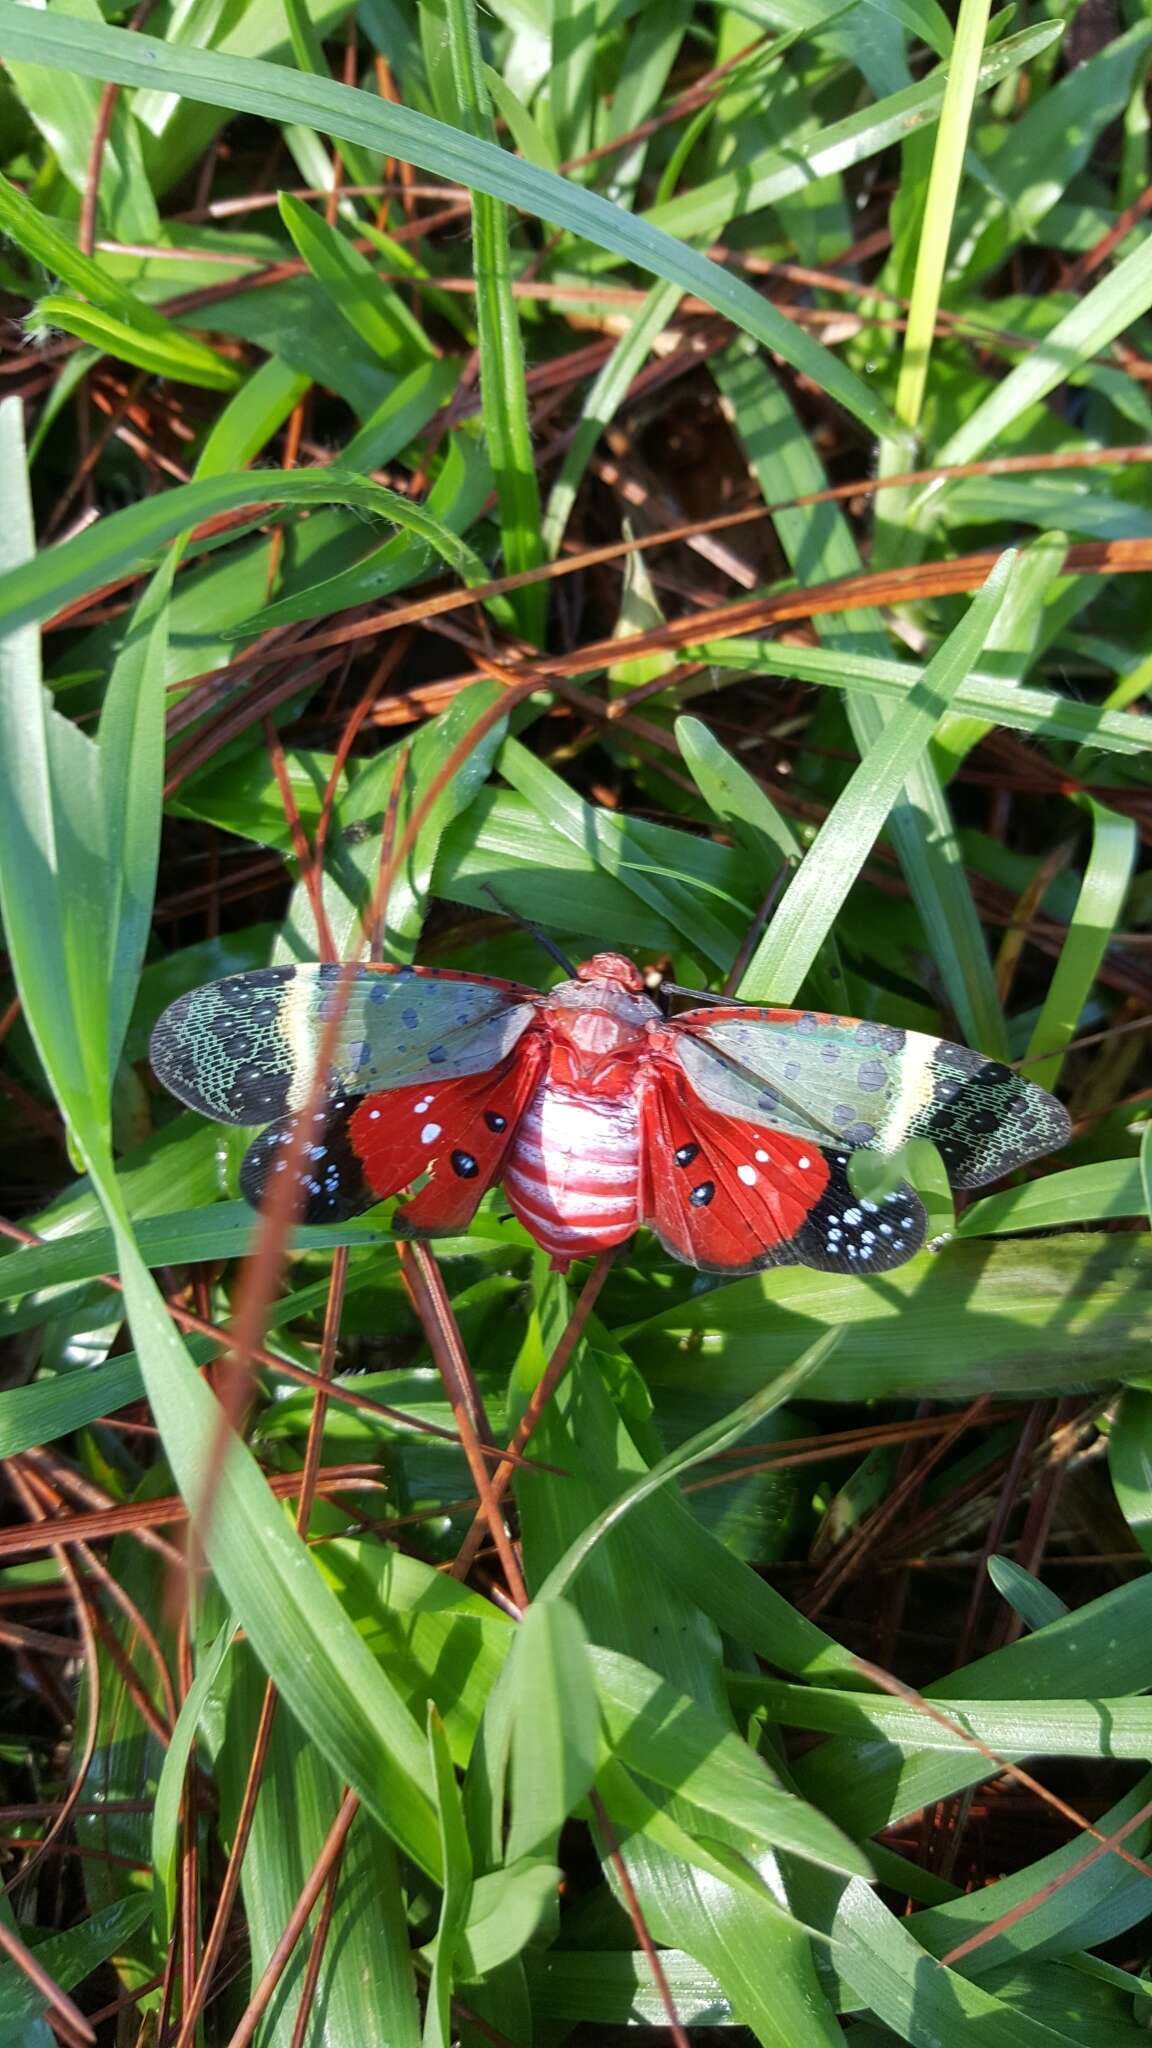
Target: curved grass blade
821,884
127,541
247,86
1097,914
706,1444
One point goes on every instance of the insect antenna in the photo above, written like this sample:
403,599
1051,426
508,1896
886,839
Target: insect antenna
534,932
775,891
702,995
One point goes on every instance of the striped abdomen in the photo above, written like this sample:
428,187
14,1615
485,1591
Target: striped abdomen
573,1173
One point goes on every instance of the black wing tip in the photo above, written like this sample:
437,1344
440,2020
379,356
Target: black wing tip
330,1182
171,1055
210,1049
986,1120
850,1233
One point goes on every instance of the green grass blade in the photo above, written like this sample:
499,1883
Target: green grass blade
555,1730
1071,1895
131,742
707,1443
777,174
278,94
366,1989
599,407
819,545
821,884
159,354
173,353
170,1790
1097,914
456,1862
373,309
670,1740
1039,1315
1130,1462
68,1959
251,417
1120,1727
624,848
1019,707
51,881
1032,1600
963,79
1084,1194
1120,299
125,542
507,426
748,813
51,1408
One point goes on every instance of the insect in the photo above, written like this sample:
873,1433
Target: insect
726,1130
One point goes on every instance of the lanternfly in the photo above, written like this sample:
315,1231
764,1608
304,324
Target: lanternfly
726,1130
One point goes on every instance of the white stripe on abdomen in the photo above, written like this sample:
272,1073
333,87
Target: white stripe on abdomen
573,1173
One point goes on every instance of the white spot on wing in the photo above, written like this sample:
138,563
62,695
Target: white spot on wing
430,1133
748,1174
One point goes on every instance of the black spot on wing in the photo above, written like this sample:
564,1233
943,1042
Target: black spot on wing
329,1176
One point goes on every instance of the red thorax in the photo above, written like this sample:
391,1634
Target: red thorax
599,1027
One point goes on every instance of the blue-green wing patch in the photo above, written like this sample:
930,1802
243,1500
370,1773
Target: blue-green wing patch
844,1081
242,1050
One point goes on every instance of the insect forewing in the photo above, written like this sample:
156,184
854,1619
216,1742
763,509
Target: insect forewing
242,1050
846,1082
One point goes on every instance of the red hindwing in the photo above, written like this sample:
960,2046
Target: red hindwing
729,1196
458,1132
722,1195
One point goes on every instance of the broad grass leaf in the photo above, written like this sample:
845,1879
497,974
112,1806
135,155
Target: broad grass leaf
1130,1462
1033,1601
1080,1194
1097,914
508,1909
555,1729
669,1740
366,1990
983,695
1009,1317
127,541
1076,1900
1101,1650
456,1896
68,1958
749,1945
